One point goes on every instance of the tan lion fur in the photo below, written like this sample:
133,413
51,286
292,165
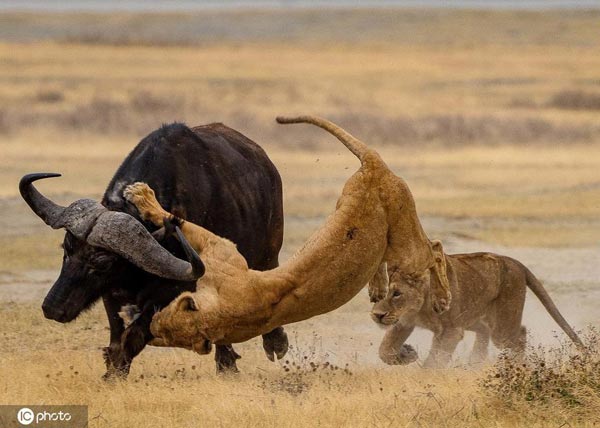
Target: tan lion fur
488,296
375,222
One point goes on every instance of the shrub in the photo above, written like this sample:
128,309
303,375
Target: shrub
575,100
49,96
561,375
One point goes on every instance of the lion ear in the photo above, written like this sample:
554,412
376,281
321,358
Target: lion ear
438,250
187,303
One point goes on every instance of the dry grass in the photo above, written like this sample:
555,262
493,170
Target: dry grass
557,377
170,387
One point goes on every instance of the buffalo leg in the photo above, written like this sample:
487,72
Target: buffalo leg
112,307
225,357
135,338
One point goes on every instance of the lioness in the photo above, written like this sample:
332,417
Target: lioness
488,295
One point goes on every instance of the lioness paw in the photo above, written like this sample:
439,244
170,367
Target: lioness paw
408,354
376,294
441,305
143,197
138,191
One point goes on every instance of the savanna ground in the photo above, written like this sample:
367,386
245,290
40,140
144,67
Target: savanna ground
491,117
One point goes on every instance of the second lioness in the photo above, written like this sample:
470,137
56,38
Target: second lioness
488,296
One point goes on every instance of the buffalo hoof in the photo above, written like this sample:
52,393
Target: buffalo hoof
110,353
227,369
114,374
275,343
225,357
115,369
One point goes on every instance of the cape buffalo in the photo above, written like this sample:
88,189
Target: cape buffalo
211,175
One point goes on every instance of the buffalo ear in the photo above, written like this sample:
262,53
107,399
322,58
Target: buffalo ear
187,303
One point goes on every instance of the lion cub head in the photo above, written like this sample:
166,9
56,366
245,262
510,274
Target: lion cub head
407,293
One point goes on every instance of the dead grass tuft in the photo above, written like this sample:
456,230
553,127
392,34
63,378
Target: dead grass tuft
50,96
560,376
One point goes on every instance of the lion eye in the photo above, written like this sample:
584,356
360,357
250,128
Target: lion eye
397,293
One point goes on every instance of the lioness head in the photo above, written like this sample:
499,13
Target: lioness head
179,325
407,293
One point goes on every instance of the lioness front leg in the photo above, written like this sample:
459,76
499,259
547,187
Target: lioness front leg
393,350
443,347
378,284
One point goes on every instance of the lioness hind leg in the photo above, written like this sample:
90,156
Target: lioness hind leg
378,285
482,343
443,347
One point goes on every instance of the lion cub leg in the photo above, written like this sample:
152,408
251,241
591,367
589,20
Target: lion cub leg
482,343
506,319
443,347
513,339
393,350
378,285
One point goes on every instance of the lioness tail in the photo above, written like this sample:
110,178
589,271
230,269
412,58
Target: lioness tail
538,289
356,146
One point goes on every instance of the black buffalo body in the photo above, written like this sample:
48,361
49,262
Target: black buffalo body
210,175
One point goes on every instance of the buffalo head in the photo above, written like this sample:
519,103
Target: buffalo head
97,246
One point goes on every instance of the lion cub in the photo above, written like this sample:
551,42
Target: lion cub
488,297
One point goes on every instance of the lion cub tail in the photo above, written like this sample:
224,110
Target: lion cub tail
356,146
538,289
